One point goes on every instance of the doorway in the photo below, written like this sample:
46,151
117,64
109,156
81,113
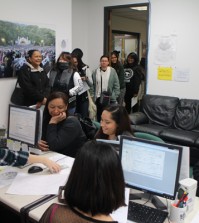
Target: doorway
126,30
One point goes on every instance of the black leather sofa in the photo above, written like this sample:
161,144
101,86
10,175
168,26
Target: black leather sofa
172,119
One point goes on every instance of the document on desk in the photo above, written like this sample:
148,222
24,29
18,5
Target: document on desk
120,214
30,184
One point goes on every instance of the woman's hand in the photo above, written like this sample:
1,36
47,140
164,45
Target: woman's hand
39,104
43,145
53,167
58,118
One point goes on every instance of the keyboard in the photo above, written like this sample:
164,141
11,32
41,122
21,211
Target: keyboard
143,214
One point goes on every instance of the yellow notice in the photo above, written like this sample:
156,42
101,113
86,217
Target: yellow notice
165,73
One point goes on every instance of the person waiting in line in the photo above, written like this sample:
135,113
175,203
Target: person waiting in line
64,77
20,158
115,63
33,80
104,79
114,122
94,189
60,133
132,77
85,74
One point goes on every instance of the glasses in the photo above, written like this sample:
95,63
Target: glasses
61,198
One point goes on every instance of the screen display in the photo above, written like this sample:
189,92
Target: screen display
23,123
150,166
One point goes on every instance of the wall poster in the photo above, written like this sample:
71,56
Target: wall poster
16,39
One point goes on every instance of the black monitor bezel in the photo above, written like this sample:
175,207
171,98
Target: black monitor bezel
36,127
169,146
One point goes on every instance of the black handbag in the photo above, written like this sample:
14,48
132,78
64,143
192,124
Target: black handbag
17,96
105,97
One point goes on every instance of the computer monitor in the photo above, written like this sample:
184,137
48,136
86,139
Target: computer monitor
150,166
23,125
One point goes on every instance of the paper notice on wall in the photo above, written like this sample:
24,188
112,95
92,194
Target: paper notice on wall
181,74
165,52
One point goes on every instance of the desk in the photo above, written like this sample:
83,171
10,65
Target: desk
36,214
17,202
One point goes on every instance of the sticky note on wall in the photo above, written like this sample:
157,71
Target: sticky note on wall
165,73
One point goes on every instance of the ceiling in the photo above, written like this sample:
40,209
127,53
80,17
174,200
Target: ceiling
130,13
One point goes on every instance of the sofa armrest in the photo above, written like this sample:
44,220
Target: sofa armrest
138,118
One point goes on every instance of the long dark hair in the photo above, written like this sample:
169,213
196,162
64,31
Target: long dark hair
96,182
116,65
46,115
121,117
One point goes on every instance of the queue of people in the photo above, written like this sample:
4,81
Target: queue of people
65,91
71,75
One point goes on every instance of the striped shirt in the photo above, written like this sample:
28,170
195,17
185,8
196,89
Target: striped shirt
13,158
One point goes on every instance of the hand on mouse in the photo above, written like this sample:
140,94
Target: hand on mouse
53,167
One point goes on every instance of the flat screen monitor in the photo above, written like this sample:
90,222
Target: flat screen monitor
23,125
150,166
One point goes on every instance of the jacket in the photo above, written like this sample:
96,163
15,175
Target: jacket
113,85
34,84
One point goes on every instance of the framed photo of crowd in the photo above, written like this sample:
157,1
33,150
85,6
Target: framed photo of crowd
16,39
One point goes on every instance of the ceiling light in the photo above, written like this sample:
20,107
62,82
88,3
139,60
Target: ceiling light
139,8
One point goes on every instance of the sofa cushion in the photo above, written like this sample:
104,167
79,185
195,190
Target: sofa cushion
138,118
148,128
187,115
160,109
197,143
180,137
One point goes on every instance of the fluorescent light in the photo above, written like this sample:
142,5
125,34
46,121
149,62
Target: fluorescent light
139,8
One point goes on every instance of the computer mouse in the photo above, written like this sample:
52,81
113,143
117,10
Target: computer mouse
35,169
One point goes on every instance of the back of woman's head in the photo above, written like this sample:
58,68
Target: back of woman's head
77,52
96,183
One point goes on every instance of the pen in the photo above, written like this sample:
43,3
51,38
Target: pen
181,199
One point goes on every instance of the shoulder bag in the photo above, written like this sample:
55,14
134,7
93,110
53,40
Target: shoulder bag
17,96
105,97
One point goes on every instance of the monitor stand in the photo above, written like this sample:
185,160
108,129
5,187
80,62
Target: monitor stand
147,196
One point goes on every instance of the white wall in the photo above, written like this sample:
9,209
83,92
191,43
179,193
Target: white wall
166,18
57,14
86,30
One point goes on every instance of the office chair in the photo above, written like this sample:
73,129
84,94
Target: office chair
148,136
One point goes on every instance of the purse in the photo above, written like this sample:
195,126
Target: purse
17,96
105,97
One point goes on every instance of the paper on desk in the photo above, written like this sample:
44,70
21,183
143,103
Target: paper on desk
196,218
30,184
120,214
7,175
62,159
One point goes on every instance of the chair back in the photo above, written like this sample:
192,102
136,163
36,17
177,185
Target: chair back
148,136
